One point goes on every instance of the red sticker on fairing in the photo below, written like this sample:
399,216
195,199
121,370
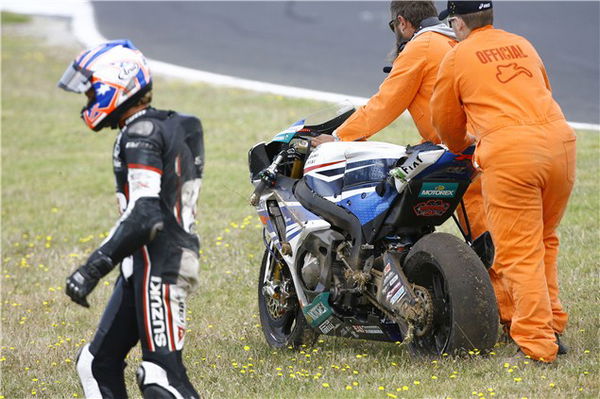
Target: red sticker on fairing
431,208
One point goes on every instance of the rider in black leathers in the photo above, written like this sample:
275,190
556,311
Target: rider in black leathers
158,161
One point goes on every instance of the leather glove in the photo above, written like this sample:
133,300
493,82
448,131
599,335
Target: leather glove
81,283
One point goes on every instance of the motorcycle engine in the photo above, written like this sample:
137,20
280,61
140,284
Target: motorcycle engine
311,271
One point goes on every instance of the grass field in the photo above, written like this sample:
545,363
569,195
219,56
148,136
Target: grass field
58,204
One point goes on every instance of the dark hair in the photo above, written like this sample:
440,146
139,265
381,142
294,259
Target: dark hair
413,11
478,19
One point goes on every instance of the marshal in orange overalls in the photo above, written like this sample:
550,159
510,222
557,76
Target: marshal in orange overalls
409,86
495,82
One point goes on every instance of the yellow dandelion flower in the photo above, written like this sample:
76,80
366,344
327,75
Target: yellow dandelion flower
381,388
348,388
325,385
416,382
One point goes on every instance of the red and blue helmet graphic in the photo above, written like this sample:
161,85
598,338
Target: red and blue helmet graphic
117,72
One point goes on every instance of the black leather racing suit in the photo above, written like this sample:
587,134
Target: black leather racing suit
158,160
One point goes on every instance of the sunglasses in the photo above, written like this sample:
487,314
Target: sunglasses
392,25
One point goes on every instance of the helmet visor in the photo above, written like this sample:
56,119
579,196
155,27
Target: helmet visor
75,79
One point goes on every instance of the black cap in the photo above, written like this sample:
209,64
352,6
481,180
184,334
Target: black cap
464,7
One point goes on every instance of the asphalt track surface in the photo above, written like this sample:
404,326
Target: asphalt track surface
342,46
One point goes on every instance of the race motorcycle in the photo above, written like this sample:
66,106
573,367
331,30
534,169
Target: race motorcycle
351,248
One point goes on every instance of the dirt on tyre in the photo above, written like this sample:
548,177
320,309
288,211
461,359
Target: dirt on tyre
465,313
281,317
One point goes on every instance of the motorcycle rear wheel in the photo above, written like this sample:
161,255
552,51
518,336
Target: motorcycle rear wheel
465,314
287,327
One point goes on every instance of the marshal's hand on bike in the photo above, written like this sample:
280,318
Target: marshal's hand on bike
320,139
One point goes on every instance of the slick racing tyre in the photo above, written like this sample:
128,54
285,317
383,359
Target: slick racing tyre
465,314
281,317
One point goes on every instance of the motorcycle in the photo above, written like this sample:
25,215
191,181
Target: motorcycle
351,248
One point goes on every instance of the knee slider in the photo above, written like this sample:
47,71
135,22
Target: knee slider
154,383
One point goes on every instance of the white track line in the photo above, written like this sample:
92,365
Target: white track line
84,29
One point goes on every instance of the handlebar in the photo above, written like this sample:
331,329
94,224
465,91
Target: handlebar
267,178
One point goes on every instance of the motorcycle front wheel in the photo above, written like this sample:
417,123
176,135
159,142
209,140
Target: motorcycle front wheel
465,314
281,317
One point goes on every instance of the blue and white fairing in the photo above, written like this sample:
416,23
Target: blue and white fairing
294,215
299,223
288,134
347,174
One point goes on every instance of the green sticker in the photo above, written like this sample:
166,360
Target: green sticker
319,310
438,190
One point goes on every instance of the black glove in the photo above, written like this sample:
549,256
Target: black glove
86,277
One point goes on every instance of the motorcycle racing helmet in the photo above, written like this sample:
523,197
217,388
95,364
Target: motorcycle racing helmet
114,76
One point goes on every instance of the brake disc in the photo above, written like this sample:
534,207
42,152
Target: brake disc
276,297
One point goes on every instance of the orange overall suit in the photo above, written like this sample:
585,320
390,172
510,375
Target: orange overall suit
409,86
495,82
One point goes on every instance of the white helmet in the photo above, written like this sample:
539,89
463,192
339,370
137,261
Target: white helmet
119,75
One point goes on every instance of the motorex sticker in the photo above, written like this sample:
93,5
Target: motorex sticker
438,190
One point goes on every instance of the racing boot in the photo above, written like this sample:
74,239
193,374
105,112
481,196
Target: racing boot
563,349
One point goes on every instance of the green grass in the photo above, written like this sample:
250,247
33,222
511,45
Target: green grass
57,204
12,18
